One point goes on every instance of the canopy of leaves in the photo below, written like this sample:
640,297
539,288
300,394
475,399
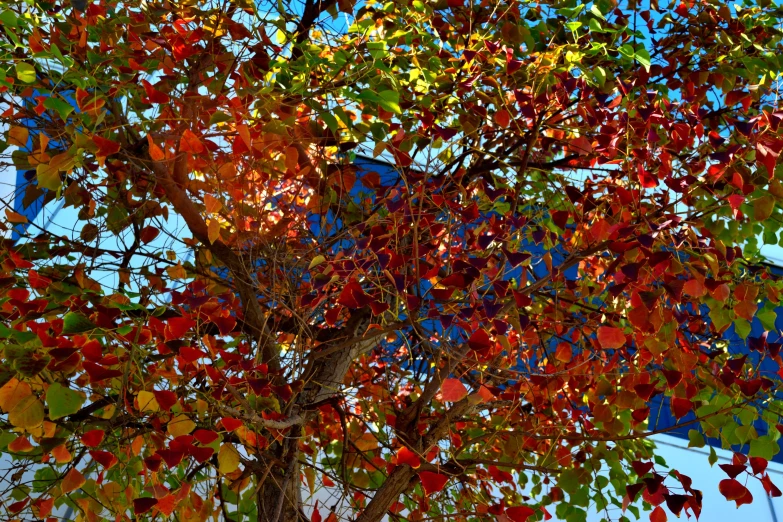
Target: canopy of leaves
247,314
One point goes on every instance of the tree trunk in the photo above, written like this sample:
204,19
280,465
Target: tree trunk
280,496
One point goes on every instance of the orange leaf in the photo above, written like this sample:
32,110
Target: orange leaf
212,203
156,153
658,515
502,118
190,142
73,480
61,454
693,288
244,133
42,507
18,136
166,505
14,217
20,445
610,337
291,158
453,390
12,392
213,230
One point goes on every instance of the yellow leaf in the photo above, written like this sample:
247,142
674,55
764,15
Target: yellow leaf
146,401
317,260
310,477
28,413
14,217
177,272
73,480
228,459
48,176
18,136
180,425
212,203
213,230
12,392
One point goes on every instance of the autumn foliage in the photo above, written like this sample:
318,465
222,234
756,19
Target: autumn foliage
246,318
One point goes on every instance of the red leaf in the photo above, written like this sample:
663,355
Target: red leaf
165,399
641,468
610,337
681,407
316,516
99,373
453,390
519,513
406,456
16,507
205,436
767,157
176,327
92,438
771,489
191,354
201,453
732,470
732,489
758,465
479,341
104,458
154,95
352,296
658,515
230,424
172,458
105,147
226,325
432,482
148,234
142,505
581,146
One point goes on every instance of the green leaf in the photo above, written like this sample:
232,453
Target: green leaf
695,439
8,18
62,107
25,72
767,318
713,458
764,447
626,50
74,323
742,327
390,101
643,57
597,12
63,401
219,117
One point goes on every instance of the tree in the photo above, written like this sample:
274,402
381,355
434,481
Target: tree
569,232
